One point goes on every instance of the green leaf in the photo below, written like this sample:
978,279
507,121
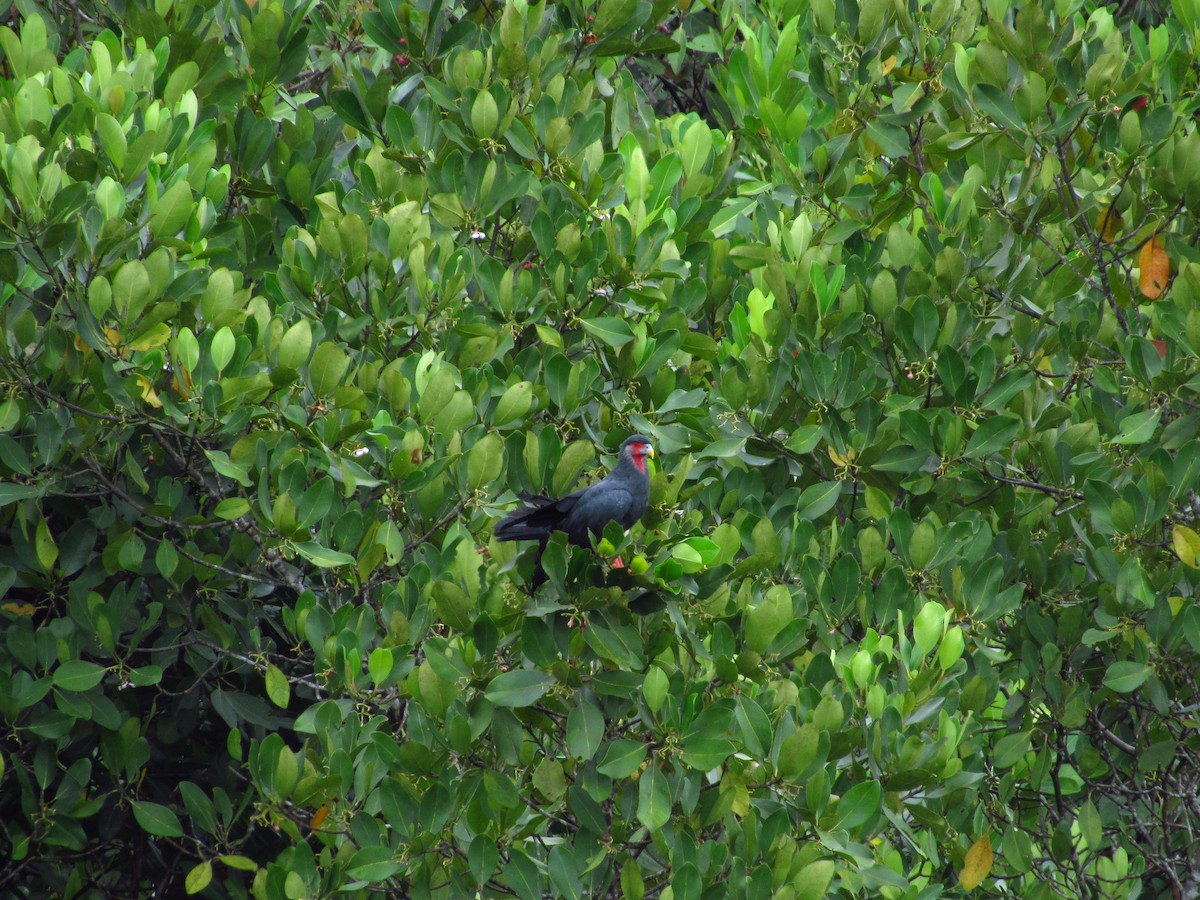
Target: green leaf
1138,428
621,758
549,780
514,403
768,618
860,804
295,344
871,17
485,461
814,880
144,676
44,546
518,688
1010,748
482,857
130,289
327,368
374,864
705,753
172,210
241,863
278,689
575,457
616,643
585,730
232,508
799,750
323,556
654,688
78,675
156,819
11,493
654,798
224,466
1126,677
614,332
198,878
818,499
993,434
222,348
995,103
614,15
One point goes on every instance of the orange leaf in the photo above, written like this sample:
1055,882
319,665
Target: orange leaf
183,383
977,863
1156,269
319,817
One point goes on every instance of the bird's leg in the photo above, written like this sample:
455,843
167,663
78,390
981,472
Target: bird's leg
617,563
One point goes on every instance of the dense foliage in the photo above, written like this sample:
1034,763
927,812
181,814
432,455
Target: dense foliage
297,297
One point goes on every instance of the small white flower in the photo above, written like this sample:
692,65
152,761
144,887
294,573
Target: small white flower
478,236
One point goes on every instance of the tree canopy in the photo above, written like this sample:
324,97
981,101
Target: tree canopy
297,298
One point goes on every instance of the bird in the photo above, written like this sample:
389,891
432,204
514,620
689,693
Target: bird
621,497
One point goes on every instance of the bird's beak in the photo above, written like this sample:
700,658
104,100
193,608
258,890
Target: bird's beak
650,451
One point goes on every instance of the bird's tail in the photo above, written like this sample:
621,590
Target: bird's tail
532,522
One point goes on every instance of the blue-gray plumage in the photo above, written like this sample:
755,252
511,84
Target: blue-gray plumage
621,497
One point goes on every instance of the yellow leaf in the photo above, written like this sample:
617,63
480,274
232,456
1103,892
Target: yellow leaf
977,863
19,609
153,337
1187,546
319,817
889,64
148,393
1109,223
112,337
1155,268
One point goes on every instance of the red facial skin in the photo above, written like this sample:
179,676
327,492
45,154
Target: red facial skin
639,452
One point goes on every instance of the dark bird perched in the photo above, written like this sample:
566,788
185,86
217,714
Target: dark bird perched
621,497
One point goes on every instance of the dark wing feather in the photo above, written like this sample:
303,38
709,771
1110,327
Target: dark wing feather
537,519
597,506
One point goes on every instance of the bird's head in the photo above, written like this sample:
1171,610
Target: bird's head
637,448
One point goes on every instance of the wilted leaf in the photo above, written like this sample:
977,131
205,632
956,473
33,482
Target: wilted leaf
1155,269
977,863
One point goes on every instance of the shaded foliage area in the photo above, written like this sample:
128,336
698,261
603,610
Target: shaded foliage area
298,298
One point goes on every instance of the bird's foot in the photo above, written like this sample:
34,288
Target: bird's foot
617,563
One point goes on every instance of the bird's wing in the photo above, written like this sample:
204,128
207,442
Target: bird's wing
596,507
537,519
